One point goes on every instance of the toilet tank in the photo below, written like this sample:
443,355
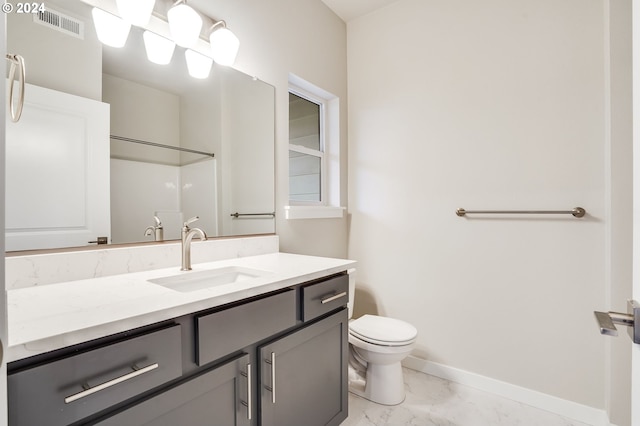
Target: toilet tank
352,290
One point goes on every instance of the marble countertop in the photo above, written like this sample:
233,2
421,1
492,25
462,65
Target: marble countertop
49,317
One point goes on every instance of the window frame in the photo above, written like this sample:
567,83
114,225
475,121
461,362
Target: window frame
322,122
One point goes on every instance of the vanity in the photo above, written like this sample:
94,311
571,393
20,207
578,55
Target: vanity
264,344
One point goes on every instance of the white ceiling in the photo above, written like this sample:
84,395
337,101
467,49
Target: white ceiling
351,9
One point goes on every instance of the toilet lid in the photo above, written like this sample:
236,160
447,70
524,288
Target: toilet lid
383,330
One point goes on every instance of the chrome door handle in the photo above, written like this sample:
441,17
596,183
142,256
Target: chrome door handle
607,321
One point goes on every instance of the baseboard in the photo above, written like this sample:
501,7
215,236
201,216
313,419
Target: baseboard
573,410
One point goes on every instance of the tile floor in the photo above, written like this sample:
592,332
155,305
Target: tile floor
432,401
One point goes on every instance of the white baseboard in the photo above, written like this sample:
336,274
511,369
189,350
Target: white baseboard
563,407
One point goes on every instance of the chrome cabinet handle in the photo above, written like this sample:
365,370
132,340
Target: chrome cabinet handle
248,403
272,388
332,298
91,390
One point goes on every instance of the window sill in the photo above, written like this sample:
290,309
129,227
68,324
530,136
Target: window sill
313,212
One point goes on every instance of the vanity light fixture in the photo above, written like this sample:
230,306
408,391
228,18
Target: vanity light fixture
185,24
136,12
111,30
199,65
159,49
224,44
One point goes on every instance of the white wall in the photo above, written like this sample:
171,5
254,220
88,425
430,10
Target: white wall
497,104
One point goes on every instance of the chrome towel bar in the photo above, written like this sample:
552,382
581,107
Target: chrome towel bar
576,212
161,145
237,215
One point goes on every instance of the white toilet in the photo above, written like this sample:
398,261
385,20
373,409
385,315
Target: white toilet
377,345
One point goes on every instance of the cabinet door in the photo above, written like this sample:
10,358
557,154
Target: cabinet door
218,397
304,375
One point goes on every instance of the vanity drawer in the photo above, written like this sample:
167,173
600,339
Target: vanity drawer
223,332
64,391
325,296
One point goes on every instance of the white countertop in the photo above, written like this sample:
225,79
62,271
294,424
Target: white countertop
49,317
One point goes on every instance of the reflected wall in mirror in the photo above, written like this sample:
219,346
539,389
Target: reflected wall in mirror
109,141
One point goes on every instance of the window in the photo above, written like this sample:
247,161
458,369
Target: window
314,152
306,149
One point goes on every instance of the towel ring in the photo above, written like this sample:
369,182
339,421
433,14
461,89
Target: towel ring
17,61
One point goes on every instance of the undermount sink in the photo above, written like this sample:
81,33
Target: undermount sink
192,281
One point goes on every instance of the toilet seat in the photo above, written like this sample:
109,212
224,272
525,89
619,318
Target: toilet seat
383,331
358,344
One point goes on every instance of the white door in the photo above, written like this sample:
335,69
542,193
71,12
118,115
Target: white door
57,172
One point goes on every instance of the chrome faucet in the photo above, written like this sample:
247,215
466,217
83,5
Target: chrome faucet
187,236
157,231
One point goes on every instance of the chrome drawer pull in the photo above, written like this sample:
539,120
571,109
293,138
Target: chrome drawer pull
332,298
91,390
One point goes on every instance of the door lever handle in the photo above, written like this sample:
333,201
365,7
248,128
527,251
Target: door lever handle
607,321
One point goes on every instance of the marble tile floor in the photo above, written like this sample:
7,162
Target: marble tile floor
432,401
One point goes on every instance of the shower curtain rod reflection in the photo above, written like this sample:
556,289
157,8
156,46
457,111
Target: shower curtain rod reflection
159,145
576,212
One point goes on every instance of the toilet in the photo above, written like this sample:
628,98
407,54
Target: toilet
377,346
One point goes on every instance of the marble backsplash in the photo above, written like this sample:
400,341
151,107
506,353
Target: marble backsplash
41,269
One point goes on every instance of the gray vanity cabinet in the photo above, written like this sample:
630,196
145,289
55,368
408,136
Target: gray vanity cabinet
277,359
217,397
304,375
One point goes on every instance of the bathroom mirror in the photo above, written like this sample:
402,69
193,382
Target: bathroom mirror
177,146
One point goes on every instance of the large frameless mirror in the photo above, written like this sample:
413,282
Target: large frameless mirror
112,145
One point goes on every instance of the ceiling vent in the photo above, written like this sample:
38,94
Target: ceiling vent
61,22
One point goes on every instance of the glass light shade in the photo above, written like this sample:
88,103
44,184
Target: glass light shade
224,46
199,66
159,49
110,29
136,12
185,25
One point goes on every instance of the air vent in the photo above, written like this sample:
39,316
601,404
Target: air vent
61,22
